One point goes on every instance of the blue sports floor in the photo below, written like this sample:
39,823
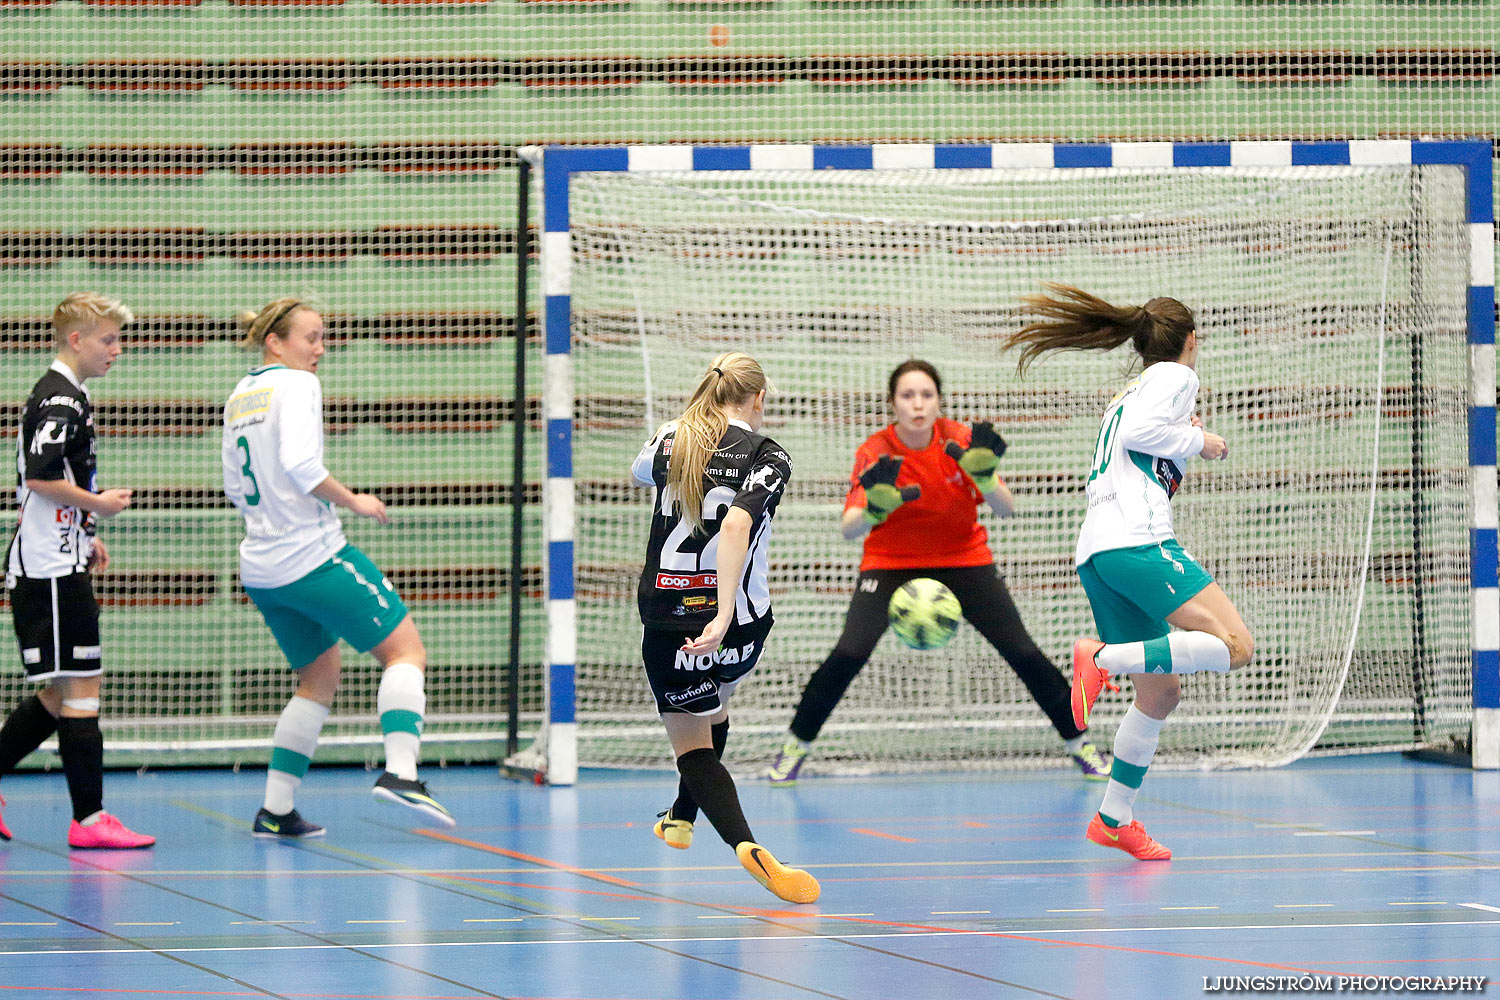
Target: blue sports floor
949,887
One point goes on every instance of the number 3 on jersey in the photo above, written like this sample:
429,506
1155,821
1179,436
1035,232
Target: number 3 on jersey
685,552
252,497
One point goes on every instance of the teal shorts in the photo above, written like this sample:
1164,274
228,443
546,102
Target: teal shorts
345,598
1132,591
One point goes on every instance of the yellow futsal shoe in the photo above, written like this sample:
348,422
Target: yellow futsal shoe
792,884
677,833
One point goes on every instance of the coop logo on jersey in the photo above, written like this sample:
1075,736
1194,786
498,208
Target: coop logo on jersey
686,581
724,656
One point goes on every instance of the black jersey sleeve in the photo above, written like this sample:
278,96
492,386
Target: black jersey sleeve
55,427
766,481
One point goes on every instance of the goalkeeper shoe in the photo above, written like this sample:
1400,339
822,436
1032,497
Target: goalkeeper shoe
1131,838
1091,762
4,830
783,770
791,884
1088,680
287,826
412,794
677,833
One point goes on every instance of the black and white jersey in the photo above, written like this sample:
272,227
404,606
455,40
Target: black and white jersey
679,585
56,442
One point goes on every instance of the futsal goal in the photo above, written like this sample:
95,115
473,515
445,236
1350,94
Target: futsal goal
1344,295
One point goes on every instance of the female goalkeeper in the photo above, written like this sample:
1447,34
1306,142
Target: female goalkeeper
704,598
913,498
310,585
1139,581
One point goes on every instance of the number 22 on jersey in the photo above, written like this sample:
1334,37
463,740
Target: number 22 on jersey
686,552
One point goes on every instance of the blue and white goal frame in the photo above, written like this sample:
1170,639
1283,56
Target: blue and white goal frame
559,163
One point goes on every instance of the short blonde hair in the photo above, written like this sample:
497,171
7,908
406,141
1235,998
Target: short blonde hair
85,310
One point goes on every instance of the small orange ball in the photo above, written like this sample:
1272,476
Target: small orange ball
718,34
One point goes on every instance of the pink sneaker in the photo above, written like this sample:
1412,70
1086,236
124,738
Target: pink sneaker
4,830
107,832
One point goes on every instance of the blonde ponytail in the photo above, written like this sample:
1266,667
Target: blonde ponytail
255,327
731,380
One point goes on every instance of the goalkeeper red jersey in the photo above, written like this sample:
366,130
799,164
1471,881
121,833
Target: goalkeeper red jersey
938,529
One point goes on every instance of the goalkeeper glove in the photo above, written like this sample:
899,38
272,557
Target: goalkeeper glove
982,457
881,492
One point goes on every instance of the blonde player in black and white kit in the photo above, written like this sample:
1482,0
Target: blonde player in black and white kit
1159,613
311,586
51,557
704,598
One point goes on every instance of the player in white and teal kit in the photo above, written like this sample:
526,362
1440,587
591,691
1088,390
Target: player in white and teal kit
1159,614
311,586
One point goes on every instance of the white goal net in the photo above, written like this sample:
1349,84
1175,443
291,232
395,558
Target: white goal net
1331,302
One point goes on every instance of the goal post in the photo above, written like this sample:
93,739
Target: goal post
1346,294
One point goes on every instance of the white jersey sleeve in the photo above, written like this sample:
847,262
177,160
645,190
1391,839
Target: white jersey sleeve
645,459
273,457
1145,439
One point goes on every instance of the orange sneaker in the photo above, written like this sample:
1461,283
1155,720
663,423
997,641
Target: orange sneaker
1131,838
1088,680
792,884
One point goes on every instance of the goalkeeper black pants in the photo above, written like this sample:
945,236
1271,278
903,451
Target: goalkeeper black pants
987,606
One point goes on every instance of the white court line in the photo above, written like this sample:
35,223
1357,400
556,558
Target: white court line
1481,906
1334,833
1024,933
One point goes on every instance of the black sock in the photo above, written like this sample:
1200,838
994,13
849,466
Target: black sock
713,789
23,732
685,807
82,748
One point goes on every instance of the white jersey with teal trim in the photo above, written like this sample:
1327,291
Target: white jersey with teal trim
273,457
1145,440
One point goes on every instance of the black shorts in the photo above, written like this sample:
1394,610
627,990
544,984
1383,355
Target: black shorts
57,626
697,685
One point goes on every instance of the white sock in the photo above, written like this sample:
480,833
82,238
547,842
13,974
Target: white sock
292,748
1177,653
1135,746
401,703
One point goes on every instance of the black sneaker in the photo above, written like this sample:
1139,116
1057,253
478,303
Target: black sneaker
413,795
290,826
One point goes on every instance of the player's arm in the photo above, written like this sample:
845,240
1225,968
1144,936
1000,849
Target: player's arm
46,466
1158,421
641,470
363,504
980,461
734,544
105,503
